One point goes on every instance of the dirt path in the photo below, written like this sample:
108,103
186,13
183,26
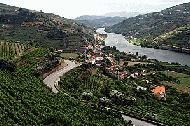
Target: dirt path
52,80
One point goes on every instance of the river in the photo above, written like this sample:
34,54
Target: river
122,44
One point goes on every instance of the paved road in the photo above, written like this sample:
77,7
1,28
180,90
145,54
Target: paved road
52,80
137,122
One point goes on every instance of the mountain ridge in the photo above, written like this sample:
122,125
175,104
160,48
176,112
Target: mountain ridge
39,28
149,26
105,20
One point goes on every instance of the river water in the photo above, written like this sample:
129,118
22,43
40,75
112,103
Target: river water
122,44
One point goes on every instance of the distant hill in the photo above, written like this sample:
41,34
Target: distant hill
89,17
106,20
42,29
101,22
149,27
122,14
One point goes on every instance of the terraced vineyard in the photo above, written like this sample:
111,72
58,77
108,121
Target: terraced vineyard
11,50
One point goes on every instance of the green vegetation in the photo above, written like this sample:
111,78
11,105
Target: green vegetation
164,29
42,29
182,80
88,95
135,41
179,37
98,22
25,100
69,55
93,85
10,50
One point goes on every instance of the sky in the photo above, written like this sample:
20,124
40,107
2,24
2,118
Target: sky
75,8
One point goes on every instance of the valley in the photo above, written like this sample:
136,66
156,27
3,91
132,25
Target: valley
167,29
56,71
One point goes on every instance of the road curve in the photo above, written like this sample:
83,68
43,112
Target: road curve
137,122
52,80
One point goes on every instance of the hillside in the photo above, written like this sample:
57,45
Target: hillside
149,26
42,29
89,17
105,20
122,14
97,22
25,100
178,37
9,50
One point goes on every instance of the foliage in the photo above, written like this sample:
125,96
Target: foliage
100,22
7,65
173,23
42,29
25,100
10,50
137,103
69,55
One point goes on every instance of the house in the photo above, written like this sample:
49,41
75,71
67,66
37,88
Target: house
141,88
110,69
99,61
160,92
89,47
88,55
135,75
7,26
123,74
59,50
143,73
116,93
93,61
87,96
104,101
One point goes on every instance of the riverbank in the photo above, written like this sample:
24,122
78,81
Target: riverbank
123,45
155,45
127,91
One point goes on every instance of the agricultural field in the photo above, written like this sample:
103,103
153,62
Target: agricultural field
25,100
83,83
9,50
69,55
182,83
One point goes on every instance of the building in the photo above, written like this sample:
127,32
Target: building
160,92
141,88
123,74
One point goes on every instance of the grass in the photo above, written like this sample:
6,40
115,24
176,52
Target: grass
184,85
135,41
69,55
134,63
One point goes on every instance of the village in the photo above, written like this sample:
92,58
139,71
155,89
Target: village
123,83
95,63
95,54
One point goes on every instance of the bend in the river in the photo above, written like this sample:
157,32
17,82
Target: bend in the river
122,44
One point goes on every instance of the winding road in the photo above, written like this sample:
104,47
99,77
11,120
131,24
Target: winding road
52,80
137,122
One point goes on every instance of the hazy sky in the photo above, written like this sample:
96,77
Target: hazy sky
74,8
